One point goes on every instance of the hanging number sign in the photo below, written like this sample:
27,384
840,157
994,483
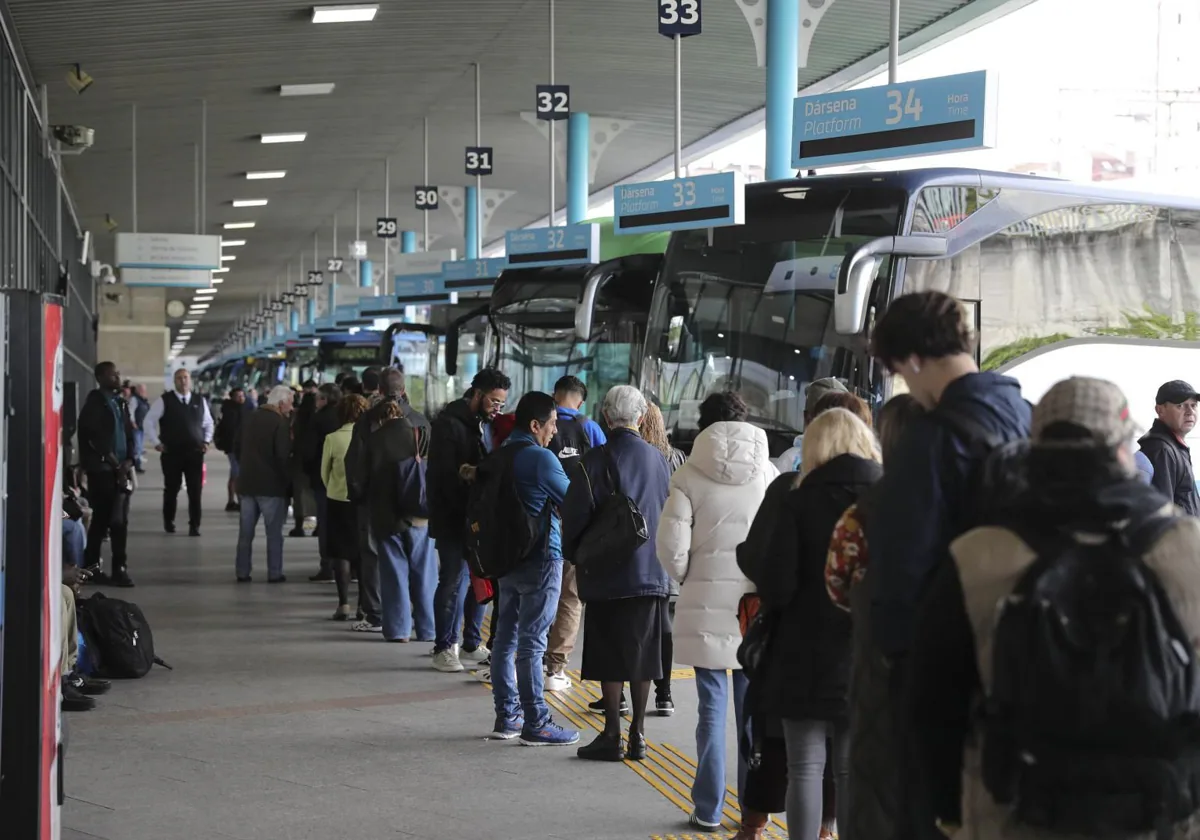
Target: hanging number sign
315,278
386,228
426,198
479,160
553,102
678,17
334,265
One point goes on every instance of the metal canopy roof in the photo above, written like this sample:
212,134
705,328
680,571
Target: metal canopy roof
413,61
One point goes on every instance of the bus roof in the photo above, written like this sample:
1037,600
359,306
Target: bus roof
912,180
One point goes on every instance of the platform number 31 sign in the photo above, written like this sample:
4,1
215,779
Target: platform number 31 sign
678,18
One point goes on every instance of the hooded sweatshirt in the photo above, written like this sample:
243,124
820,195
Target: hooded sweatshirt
713,499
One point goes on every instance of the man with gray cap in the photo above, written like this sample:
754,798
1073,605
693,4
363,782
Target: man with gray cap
789,461
1084,508
1163,445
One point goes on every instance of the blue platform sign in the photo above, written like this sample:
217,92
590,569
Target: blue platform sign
382,306
429,288
683,204
678,17
473,275
931,116
348,313
550,246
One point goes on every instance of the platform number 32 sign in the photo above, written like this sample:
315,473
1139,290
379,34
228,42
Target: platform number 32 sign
678,17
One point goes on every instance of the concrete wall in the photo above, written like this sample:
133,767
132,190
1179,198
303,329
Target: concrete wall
133,332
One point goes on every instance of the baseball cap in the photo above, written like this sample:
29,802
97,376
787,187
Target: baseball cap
1096,405
819,388
1176,392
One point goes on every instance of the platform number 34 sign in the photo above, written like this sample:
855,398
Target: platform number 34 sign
678,18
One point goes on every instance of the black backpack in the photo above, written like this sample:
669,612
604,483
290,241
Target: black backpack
500,531
119,641
996,475
571,442
1091,727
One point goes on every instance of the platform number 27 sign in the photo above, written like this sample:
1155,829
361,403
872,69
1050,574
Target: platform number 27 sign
678,17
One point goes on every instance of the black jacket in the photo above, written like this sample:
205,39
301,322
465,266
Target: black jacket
808,665
96,433
225,436
645,477
1172,461
389,444
456,438
302,428
924,500
264,449
358,457
324,422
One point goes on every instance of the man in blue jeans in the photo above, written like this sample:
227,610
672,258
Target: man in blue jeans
455,448
528,595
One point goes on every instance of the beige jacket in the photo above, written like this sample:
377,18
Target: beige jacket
990,562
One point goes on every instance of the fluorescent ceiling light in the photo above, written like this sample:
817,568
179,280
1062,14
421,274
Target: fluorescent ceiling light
238,225
190,323
318,89
182,333
222,270
250,202
266,174
232,243
227,257
360,13
287,137
197,307
217,280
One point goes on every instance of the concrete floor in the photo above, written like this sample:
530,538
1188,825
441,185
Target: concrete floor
278,724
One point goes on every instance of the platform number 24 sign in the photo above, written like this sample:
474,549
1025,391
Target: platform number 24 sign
678,17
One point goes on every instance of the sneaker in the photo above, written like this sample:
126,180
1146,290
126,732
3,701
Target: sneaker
447,662
695,822
664,707
88,685
507,728
365,626
479,654
596,707
549,734
484,675
75,701
558,681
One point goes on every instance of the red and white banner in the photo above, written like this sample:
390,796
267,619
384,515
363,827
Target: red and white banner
52,405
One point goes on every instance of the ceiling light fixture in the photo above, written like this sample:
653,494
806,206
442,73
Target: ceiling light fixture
286,137
228,257
266,175
222,270
190,323
232,243
238,225
250,202
217,280
359,13
318,89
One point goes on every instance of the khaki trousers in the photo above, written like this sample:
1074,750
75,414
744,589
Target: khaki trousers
70,632
566,622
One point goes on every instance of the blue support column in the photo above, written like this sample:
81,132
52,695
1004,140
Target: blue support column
408,242
366,272
471,223
294,320
578,167
310,310
783,67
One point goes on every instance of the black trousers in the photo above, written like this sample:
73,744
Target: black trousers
110,516
369,603
177,468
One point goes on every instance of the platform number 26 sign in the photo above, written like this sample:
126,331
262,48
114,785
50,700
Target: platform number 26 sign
678,17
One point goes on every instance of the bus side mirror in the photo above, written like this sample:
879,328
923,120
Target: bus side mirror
451,351
857,275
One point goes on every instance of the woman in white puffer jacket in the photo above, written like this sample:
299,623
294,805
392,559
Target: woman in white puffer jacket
713,500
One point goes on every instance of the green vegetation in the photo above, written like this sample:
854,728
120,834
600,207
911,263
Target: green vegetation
1009,352
1155,325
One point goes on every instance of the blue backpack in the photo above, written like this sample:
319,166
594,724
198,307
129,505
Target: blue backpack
411,493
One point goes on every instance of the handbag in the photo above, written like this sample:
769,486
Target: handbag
411,491
617,529
752,653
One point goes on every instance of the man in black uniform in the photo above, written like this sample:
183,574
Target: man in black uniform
105,432
181,427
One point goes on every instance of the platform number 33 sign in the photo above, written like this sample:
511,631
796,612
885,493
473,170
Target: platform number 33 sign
678,18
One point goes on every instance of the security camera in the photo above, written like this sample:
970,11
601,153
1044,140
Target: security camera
75,136
103,273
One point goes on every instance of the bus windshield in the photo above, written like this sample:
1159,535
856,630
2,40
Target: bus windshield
750,307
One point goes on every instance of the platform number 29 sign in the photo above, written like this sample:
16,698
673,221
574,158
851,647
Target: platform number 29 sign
678,17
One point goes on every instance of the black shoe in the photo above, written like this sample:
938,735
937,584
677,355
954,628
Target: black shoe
193,530
298,531
121,578
75,701
169,527
280,579
100,578
244,579
664,706
232,507
636,748
597,707
322,577
88,685
140,470
604,748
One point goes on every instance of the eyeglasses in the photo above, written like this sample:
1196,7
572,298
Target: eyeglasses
498,405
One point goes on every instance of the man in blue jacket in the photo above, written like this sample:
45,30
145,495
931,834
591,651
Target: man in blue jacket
925,497
528,596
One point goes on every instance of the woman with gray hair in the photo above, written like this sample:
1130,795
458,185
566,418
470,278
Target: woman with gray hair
626,596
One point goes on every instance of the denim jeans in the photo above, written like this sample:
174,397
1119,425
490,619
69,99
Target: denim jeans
528,602
708,791
74,541
273,510
407,580
806,757
453,580
139,446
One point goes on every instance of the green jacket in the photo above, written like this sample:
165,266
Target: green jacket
333,463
